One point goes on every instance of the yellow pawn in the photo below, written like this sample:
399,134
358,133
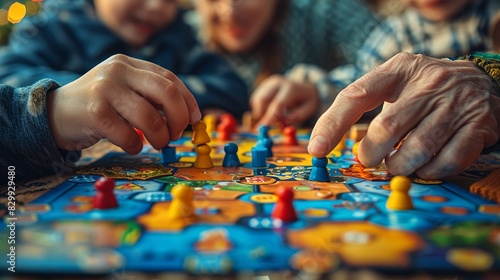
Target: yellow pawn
211,122
181,211
355,148
203,159
341,145
399,199
200,135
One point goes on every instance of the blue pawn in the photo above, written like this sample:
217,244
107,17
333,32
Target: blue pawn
169,155
231,158
263,133
268,145
259,156
319,172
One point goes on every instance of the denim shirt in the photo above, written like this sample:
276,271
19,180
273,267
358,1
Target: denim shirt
66,40
27,145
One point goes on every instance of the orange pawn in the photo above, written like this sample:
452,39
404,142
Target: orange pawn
203,159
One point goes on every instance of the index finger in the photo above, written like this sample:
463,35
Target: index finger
379,85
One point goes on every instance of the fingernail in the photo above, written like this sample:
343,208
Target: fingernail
196,117
318,145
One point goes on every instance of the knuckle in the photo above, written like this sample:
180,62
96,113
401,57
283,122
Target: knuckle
156,123
116,65
386,126
171,90
168,74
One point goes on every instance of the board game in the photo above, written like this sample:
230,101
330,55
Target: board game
343,223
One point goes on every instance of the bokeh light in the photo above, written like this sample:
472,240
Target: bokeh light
3,17
32,8
16,12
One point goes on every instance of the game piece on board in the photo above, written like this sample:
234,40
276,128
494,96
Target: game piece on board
169,155
268,145
105,197
399,198
290,136
259,154
231,158
181,208
211,122
200,135
357,132
224,131
283,209
229,119
319,171
203,159
355,148
247,121
263,133
341,145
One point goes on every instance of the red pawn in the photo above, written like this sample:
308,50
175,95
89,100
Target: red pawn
290,136
283,209
224,132
229,119
105,197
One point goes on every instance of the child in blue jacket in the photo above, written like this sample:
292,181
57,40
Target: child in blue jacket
45,126
70,37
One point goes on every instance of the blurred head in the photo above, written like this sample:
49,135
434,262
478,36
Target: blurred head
438,10
239,26
136,21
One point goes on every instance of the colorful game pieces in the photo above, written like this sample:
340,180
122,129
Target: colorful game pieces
259,155
105,197
203,159
181,210
231,158
290,136
400,199
283,209
169,155
200,135
319,170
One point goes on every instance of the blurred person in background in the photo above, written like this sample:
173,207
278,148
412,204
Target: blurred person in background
282,48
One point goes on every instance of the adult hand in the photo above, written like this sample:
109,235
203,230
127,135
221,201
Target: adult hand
447,111
283,100
114,97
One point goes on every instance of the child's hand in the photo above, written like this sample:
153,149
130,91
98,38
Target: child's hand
283,100
114,97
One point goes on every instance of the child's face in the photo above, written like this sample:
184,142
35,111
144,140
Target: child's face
135,21
237,25
438,10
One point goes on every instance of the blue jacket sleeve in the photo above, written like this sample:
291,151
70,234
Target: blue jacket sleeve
26,141
214,83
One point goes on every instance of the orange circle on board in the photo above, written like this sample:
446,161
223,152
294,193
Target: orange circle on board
434,198
454,210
